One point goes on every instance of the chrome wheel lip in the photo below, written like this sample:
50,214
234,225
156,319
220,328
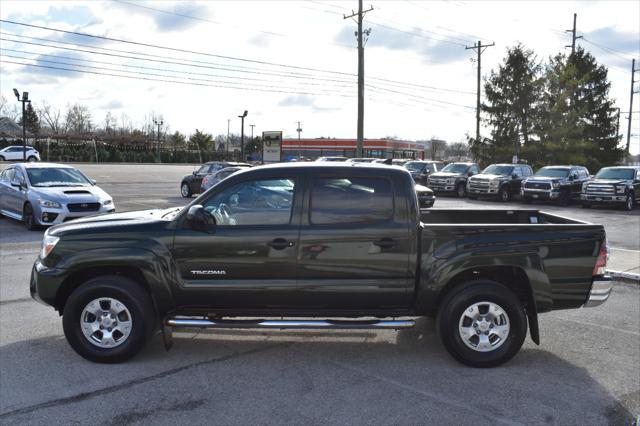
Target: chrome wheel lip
106,322
484,326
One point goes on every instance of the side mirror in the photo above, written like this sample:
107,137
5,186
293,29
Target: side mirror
198,218
469,174
93,181
514,176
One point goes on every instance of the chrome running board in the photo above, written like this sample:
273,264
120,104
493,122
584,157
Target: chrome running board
289,324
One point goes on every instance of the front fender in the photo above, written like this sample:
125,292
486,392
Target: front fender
156,269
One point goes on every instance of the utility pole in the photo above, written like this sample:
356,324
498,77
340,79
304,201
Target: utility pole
573,35
360,14
618,127
633,80
158,123
299,130
25,100
252,126
228,124
480,48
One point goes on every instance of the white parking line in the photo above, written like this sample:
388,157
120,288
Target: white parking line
619,249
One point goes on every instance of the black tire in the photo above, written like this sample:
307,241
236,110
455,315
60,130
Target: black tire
28,219
128,292
472,197
466,295
504,195
461,190
526,199
2,158
185,190
565,199
586,206
630,202
32,159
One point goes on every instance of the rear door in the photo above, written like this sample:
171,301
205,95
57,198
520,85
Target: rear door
248,260
354,243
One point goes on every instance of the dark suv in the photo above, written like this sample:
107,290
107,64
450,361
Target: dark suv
191,183
421,170
613,185
555,183
453,178
502,181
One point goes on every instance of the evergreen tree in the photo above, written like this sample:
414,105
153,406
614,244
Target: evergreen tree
578,121
513,96
203,141
32,123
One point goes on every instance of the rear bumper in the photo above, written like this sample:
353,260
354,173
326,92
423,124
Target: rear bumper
600,291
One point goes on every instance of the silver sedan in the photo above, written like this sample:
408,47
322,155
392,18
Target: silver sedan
48,194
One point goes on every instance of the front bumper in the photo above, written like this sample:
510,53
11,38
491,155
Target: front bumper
540,194
426,202
604,199
600,291
490,191
48,216
45,282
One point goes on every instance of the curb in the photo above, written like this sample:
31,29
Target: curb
625,276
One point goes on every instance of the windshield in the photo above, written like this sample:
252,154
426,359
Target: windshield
56,177
455,168
551,172
498,170
611,173
414,166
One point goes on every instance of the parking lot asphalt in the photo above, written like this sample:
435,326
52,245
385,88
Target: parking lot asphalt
586,371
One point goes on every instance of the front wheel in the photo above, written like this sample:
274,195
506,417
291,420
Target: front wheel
2,158
28,218
108,319
482,324
504,195
629,202
185,190
32,159
461,190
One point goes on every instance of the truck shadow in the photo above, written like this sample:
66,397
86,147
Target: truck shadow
407,373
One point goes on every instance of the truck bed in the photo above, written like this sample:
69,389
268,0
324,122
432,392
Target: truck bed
506,217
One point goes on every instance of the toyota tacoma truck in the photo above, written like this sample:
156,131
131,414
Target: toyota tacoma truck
317,246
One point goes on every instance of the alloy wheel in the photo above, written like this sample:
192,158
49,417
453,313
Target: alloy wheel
484,326
106,322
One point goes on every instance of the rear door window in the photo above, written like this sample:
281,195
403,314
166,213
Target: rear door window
350,200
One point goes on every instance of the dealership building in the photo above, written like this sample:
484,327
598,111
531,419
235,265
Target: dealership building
329,147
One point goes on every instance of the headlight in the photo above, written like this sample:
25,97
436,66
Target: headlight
49,203
556,185
108,202
451,181
620,189
494,183
48,243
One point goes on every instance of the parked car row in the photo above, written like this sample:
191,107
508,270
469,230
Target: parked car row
561,184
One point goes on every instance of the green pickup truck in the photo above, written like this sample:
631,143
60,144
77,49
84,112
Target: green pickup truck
336,246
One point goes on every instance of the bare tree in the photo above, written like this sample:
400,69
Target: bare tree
78,119
109,123
51,117
457,150
8,109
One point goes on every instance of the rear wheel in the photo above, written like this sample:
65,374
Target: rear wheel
108,319
185,190
461,190
32,159
482,323
28,218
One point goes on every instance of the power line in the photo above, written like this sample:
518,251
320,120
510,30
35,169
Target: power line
292,74
606,49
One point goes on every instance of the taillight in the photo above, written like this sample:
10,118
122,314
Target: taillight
601,263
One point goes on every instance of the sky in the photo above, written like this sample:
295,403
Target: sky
290,61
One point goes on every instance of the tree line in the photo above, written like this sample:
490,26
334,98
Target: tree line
558,112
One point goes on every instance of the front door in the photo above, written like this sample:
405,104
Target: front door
354,246
248,259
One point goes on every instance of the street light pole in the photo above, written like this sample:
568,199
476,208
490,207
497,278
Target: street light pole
299,130
228,124
24,100
158,123
242,117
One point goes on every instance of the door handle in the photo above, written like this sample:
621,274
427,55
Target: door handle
385,243
280,244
